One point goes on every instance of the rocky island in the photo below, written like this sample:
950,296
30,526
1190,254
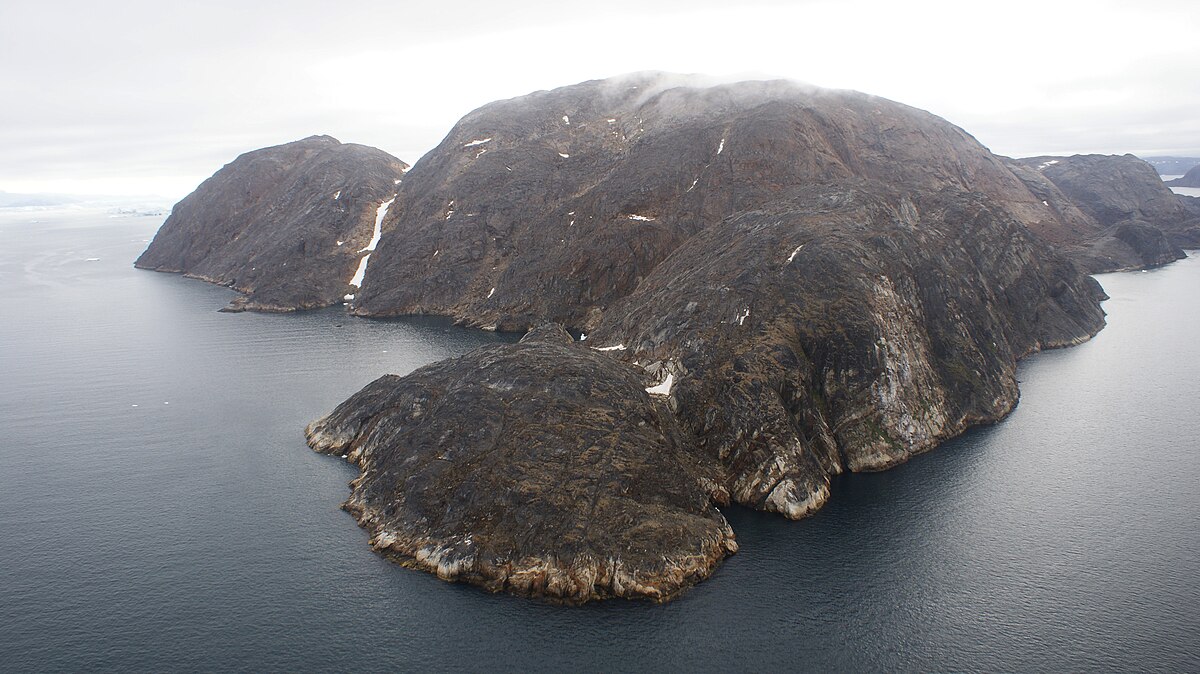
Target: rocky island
1189,179
770,285
286,226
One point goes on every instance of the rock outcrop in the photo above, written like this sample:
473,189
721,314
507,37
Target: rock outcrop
1139,221
287,226
779,284
1189,179
543,468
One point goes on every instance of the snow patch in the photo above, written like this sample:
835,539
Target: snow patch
481,141
663,389
693,186
564,155
337,195
396,181
340,242
93,259
1043,167
794,252
619,347
642,218
566,120
583,336
361,272
491,292
348,296
449,209
379,215
721,147
744,315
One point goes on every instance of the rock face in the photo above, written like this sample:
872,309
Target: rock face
804,282
287,226
1141,221
542,468
1189,179
557,204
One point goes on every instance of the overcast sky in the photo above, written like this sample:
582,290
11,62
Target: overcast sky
151,97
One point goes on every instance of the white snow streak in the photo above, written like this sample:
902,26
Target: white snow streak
693,186
745,314
340,242
663,389
564,155
362,264
619,347
491,292
721,147
642,218
566,120
481,141
337,195
793,255
1043,167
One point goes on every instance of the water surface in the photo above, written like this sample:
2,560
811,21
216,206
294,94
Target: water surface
159,509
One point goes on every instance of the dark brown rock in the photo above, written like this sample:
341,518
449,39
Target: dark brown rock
542,468
283,225
1121,190
553,206
810,282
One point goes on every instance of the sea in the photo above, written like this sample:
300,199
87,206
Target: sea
160,511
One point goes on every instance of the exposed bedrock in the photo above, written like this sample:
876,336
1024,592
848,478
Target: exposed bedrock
287,226
543,468
1139,222
555,205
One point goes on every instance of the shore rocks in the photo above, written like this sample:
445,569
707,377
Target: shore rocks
287,226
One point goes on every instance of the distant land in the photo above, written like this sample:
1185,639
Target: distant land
1172,166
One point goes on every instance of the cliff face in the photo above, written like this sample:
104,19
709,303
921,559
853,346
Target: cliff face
543,468
555,205
286,226
779,284
1140,222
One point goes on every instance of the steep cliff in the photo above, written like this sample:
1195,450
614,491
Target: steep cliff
287,226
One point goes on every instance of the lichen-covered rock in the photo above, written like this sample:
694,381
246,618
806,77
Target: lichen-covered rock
1121,190
287,226
543,468
555,205
847,327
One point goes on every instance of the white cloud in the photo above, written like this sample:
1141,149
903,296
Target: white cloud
163,94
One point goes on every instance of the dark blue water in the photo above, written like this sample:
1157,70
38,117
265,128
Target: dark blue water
159,509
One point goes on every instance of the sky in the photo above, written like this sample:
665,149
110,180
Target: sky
133,97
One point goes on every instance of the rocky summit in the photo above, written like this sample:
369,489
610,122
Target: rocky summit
287,226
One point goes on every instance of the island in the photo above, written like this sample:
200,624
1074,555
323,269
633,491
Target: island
730,294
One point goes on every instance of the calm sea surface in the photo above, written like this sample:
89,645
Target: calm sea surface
159,510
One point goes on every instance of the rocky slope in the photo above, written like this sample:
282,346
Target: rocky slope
1140,221
1189,179
287,226
556,204
543,468
804,282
